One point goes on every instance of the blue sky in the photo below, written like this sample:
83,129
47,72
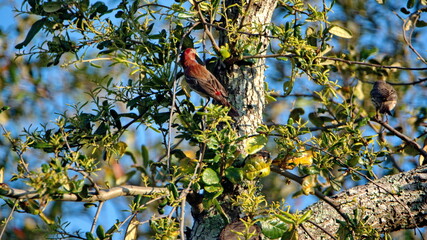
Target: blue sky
110,212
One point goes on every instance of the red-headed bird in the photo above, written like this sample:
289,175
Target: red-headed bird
204,82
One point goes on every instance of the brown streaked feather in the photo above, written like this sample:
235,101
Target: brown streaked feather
203,81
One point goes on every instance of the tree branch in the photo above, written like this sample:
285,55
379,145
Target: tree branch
205,26
402,136
386,214
338,60
318,194
103,195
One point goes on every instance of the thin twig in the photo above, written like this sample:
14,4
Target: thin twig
175,71
409,41
181,221
184,193
306,231
95,219
205,26
319,194
381,137
338,60
8,218
402,136
313,129
19,152
321,228
420,80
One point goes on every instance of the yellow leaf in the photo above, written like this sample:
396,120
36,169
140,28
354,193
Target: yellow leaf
290,162
308,184
132,229
121,147
340,32
256,166
421,159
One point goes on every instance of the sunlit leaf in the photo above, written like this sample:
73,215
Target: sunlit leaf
273,228
210,177
308,184
256,143
256,167
340,32
132,229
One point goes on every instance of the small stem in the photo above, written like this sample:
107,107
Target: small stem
95,219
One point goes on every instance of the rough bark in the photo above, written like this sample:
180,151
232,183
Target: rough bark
245,84
392,203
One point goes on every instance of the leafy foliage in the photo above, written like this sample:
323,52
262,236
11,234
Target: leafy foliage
199,154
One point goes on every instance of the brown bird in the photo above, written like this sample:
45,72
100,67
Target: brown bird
204,82
384,97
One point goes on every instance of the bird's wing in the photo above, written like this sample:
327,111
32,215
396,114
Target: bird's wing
216,85
204,82
391,95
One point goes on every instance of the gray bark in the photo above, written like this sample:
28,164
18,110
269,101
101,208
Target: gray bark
392,203
246,83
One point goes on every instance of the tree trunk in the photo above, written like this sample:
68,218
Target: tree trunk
245,84
392,203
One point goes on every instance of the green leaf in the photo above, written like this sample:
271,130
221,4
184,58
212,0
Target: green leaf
100,232
340,31
173,190
421,23
288,219
95,65
287,87
35,28
290,235
256,167
254,144
88,205
305,216
235,175
213,188
145,156
5,108
161,117
273,228
210,177
296,114
123,179
89,236
366,52
51,7
410,3
225,52
101,130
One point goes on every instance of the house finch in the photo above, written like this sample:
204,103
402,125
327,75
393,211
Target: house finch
383,96
204,82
